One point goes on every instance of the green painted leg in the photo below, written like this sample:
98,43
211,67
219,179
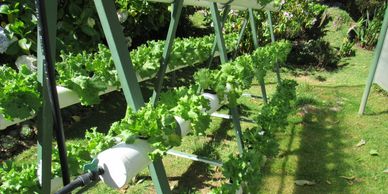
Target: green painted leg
240,36
237,129
116,41
159,177
277,67
256,45
376,59
224,59
45,119
175,16
218,30
224,17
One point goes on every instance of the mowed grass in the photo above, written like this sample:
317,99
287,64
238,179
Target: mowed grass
322,148
319,145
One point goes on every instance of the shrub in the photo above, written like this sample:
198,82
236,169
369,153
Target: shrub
78,25
368,28
314,53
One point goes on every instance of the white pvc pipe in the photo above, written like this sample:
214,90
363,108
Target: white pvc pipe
214,102
123,161
183,125
68,97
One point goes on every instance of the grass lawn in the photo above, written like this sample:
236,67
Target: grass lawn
319,145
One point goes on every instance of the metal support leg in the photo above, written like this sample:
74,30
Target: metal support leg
240,36
45,130
277,67
375,63
175,16
223,20
224,59
116,41
237,129
256,45
218,31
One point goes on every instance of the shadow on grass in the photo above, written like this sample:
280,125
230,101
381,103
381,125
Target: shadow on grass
198,173
101,116
320,155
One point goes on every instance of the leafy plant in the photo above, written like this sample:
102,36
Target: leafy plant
185,103
273,116
18,179
244,170
19,96
98,142
155,124
78,24
265,58
228,82
88,74
295,19
236,76
346,49
20,26
367,30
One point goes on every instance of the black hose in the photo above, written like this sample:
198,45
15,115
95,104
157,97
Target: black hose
81,181
49,72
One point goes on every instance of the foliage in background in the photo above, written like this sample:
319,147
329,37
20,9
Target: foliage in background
346,49
367,28
78,26
294,20
314,54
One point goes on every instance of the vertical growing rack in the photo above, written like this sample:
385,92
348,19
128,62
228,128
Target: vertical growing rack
128,79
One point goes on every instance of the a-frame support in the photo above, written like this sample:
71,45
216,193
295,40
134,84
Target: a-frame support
45,116
129,83
256,45
175,16
224,59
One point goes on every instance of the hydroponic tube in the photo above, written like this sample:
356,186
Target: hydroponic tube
68,97
123,161
236,4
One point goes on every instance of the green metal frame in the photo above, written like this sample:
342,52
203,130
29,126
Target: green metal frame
214,49
375,63
129,83
116,42
224,59
175,16
45,116
256,45
269,17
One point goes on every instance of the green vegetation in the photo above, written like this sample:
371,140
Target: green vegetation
308,138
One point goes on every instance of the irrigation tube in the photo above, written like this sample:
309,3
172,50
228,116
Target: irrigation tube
123,161
50,83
